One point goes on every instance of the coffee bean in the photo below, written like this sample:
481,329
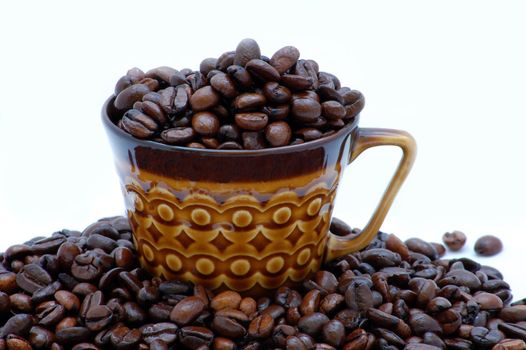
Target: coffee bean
204,98
285,58
178,136
205,123
7,281
187,311
225,85
276,93
278,133
246,50
225,60
488,245
127,97
359,295
313,323
125,338
102,242
251,120
262,70
249,101
193,337
72,335
32,277
19,324
261,326
332,110
296,82
510,344
454,240
305,110
333,332
420,246
164,331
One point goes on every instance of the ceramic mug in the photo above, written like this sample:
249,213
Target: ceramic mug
246,220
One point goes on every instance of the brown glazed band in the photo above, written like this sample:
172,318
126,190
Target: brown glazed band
226,166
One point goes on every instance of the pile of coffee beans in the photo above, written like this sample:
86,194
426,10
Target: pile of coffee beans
240,100
85,291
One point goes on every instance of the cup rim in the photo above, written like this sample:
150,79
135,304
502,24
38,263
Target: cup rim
346,130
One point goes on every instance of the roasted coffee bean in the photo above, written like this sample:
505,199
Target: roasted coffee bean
205,123
454,240
251,120
261,326
193,337
7,281
313,323
225,85
19,324
178,136
68,300
246,50
207,65
276,93
72,335
187,311
418,245
305,110
127,97
225,60
32,277
224,300
240,76
249,101
18,302
164,331
332,110
262,70
284,59
125,338
488,245
278,133
204,98
333,332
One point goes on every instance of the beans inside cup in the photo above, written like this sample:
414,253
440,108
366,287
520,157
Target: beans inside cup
239,100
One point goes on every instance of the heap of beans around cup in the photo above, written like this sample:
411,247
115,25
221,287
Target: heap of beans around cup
241,100
85,291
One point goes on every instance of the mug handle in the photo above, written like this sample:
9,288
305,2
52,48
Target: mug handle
338,246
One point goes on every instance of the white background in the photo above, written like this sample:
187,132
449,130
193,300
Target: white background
452,73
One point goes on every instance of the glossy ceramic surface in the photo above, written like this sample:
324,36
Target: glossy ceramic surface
244,220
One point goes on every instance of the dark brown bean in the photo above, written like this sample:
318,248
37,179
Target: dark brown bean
251,120
204,98
262,70
246,50
178,136
284,59
305,110
454,240
488,245
278,94
278,133
205,123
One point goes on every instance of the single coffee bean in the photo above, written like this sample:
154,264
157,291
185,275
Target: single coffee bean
7,281
205,123
19,324
240,76
261,326
333,332
204,98
296,82
488,245
277,94
312,324
178,136
278,133
187,310
102,242
32,277
127,97
284,59
192,337
246,50
72,335
332,110
454,240
207,65
251,120
225,85
249,101
262,70
164,331
225,60
305,110
125,338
